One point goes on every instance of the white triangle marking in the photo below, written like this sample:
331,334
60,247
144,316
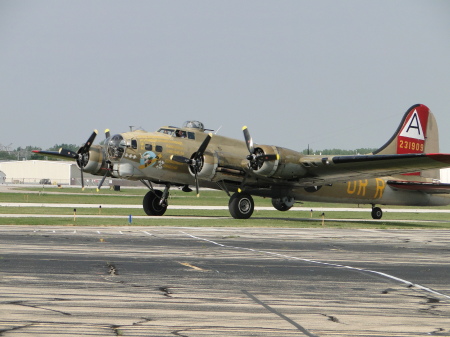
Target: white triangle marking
413,127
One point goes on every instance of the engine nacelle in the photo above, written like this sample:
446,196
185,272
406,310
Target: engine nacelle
207,167
216,166
286,166
269,167
96,164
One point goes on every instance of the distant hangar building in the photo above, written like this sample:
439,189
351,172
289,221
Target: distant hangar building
45,172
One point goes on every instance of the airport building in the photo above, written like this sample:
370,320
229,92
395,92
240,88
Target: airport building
43,172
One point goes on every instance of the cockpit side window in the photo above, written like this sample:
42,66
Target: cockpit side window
180,133
134,144
166,131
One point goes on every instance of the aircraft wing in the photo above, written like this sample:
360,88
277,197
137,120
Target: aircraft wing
61,154
344,168
430,188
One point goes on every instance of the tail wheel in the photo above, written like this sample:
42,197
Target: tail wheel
377,213
241,205
152,205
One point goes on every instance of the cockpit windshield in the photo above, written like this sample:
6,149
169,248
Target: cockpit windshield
116,147
166,131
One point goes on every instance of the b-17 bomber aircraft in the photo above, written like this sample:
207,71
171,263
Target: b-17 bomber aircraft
404,171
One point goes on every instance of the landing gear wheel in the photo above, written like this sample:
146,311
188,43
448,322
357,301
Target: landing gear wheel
283,204
151,203
241,205
377,213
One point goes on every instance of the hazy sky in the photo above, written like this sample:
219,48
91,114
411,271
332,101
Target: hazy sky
325,73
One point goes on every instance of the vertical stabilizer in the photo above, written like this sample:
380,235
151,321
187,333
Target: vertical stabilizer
417,133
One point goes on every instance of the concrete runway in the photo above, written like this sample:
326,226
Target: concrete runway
174,281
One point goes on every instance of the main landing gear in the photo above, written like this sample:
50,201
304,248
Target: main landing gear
241,205
155,201
377,213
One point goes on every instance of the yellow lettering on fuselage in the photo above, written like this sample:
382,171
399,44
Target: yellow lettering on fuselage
351,190
380,188
366,187
362,187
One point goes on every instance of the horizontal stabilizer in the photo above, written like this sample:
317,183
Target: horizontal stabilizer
430,188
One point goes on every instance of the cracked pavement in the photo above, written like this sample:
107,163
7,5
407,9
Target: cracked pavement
173,281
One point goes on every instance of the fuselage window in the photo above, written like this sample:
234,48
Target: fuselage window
134,144
158,148
191,135
148,147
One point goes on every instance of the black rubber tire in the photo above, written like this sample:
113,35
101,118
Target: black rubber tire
377,213
279,205
151,203
241,205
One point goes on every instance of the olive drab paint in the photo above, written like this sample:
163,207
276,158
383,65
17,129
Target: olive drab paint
404,171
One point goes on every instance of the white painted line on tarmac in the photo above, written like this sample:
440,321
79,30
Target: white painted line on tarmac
384,275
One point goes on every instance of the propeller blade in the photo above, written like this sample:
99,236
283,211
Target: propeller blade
102,181
267,157
248,140
203,146
107,133
82,179
196,183
181,159
85,148
108,169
